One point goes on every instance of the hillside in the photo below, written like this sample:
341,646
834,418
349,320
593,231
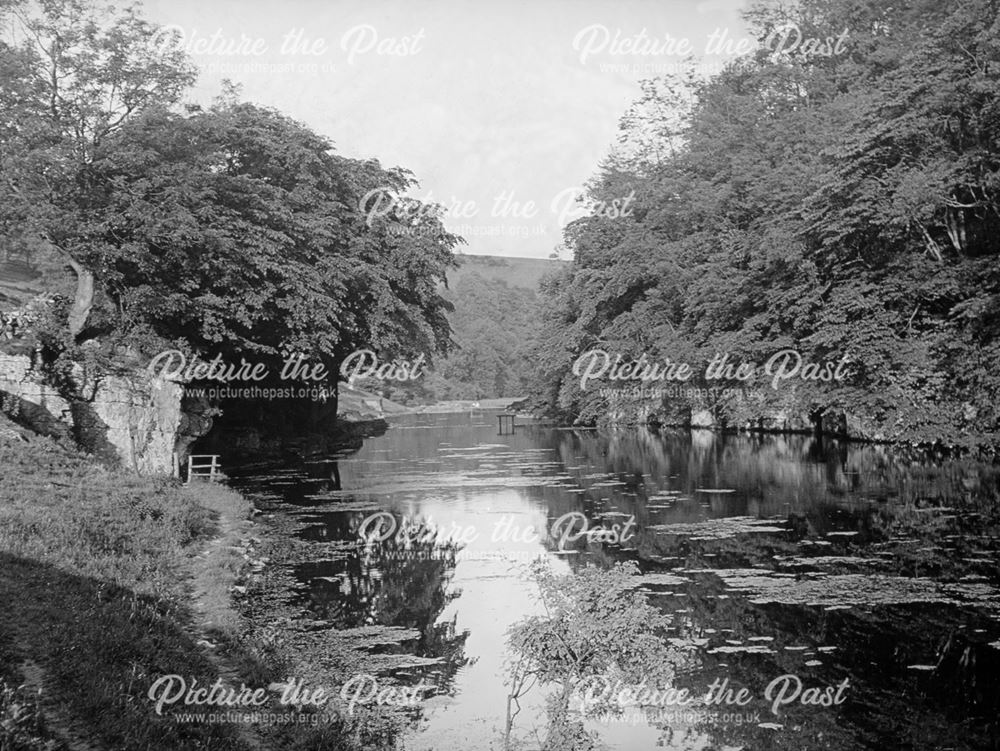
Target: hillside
514,272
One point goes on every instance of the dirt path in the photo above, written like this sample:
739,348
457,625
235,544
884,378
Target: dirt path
216,570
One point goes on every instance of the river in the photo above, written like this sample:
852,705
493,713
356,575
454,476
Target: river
858,585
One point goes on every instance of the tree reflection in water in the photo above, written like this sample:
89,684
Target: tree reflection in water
402,582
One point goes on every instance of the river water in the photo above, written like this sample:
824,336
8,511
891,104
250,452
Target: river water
786,565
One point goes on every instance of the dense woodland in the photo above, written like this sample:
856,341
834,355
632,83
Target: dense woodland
835,204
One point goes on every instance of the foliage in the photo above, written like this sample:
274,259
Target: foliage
836,204
238,230
596,625
75,73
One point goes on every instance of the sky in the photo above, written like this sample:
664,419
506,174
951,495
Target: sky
503,111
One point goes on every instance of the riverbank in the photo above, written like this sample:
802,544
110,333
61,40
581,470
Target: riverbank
112,581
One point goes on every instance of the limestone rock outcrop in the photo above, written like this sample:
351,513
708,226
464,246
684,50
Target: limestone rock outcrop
135,419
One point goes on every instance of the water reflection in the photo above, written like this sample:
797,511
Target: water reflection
769,555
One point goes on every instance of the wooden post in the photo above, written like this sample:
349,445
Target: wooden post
506,424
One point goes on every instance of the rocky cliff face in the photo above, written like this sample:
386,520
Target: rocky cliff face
26,399
135,420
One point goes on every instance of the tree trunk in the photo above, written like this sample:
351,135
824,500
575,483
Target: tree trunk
84,299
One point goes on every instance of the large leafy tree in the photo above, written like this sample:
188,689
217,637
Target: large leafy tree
240,231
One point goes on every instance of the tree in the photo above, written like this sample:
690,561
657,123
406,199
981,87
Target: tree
75,75
239,231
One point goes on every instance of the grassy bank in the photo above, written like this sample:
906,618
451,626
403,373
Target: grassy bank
97,576
110,581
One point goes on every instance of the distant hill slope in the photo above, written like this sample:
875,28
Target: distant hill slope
516,272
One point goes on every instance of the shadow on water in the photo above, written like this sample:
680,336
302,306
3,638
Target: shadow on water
771,555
